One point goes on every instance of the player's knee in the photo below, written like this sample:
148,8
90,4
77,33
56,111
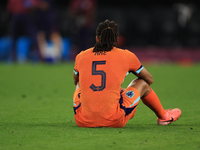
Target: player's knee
143,83
146,88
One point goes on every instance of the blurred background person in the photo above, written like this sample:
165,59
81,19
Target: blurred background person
22,24
83,12
153,31
49,38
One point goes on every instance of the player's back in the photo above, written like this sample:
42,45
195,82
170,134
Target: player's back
100,77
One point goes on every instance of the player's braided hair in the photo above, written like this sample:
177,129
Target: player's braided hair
107,33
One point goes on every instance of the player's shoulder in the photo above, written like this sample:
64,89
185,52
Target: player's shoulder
85,52
124,51
89,50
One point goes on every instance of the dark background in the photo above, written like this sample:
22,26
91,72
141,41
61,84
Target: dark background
144,3
141,22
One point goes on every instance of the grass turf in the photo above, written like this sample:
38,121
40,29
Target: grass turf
36,111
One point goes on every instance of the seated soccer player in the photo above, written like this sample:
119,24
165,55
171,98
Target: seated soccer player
99,100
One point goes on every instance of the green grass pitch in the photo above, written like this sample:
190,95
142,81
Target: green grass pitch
36,111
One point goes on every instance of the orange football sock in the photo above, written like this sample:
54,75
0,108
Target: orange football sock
153,102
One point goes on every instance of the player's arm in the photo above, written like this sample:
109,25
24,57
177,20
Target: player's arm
76,77
145,75
141,72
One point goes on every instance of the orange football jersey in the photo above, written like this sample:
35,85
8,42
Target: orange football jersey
100,77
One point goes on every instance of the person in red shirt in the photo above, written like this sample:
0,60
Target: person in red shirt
22,24
99,100
83,13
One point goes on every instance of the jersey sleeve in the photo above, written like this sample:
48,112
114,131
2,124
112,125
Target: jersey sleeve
134,63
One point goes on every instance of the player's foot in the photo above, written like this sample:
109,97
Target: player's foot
170,116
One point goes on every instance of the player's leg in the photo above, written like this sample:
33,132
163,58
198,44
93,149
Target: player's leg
148,96
151,100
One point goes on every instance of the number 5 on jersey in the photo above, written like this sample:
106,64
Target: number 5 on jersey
98,72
